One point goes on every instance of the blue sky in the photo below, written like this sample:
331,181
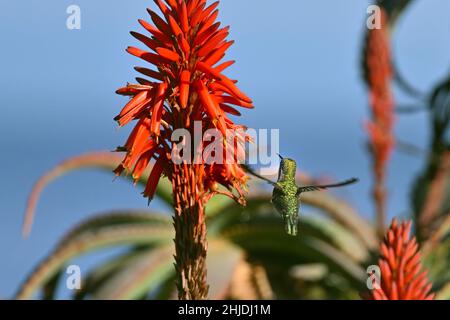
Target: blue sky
299,60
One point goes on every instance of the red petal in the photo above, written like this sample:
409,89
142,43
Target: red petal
205,13
212,43
209,21
233,100
152,182
184,88
200,38
133,107
142,163
152,44
159,23
197,15
162,7
175,27
211,106
184,17
224,66
208,103
147,56
218,54
157,33
173,4
150,73
157,110
228,109
168,54
128,91
184,46
223,80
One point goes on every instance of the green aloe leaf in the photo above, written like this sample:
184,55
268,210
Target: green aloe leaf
50,288
265,241
102,272
133,234
118,218
344,214
340,237
339,214
138,276
97,160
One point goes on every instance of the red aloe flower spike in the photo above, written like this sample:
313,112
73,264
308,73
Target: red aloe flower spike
379,72
402,274
184,45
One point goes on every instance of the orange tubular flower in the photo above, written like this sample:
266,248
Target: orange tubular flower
402,277
186,85
379,72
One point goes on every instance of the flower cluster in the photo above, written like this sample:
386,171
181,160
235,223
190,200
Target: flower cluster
185,47
402,277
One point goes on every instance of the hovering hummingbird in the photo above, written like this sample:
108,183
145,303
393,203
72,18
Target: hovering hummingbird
286,193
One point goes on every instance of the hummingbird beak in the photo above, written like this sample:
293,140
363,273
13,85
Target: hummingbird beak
280,156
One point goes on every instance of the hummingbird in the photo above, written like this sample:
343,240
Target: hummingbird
286,193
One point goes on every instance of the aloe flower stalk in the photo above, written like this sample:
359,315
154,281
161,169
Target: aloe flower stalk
185,47
402,274
378,69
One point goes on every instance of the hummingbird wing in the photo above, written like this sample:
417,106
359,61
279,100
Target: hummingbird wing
253,173
300,190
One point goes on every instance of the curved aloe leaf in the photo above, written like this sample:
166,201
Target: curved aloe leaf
234,213
341,238
138,276
101,273
344,214
269,242
116,218
334,208
89,241
439,236
135,274
49,289
101,160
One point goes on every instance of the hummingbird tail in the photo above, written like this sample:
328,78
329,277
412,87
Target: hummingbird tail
291,225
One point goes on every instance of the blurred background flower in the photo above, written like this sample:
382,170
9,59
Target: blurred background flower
402,274
378,75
